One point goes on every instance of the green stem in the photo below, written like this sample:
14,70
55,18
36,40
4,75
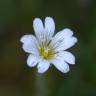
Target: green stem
40,85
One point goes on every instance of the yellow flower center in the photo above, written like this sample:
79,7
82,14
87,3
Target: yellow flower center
46,53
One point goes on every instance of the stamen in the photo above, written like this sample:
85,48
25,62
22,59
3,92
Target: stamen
46,53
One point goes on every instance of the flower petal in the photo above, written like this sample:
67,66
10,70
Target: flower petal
67,57
30,48
65,33
61,65
38,28
66,43
30,43
49,26
32,60
27,38
43,66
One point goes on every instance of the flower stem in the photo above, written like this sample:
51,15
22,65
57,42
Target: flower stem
40,85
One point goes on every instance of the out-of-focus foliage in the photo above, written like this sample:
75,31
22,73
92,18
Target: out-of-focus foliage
16,79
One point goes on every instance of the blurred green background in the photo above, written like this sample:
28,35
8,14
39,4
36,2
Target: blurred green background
16,79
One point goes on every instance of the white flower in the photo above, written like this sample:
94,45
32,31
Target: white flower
45,49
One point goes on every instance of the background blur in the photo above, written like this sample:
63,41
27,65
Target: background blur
16,79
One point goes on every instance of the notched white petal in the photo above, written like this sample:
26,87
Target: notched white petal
32,60
30,43
67,57
29,39
38,26
29,48
61,65
67,43
61,37
26,38
49,26
67,32
43,66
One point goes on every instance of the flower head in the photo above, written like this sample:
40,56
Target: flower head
47,49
